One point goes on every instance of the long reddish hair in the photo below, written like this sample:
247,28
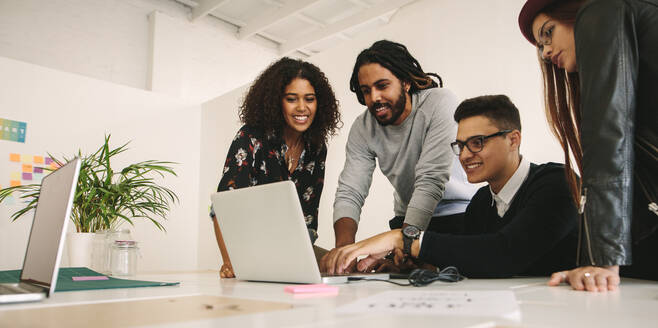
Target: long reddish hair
562,100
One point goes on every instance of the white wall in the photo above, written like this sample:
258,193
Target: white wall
477,49
219,123
109,40
66,112
200,61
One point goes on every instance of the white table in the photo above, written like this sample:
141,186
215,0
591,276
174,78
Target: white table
634,305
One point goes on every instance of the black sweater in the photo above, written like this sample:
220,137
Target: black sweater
536,236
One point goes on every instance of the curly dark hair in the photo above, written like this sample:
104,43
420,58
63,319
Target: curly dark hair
261,107
396,58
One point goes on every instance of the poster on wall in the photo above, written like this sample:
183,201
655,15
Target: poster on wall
12,130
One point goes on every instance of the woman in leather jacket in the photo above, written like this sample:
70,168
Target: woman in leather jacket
599,60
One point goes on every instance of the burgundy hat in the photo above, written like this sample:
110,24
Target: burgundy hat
527,15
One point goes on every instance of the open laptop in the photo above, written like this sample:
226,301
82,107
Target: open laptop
44,247
266,236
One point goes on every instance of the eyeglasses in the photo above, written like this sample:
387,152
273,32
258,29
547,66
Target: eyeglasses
545,39
475,144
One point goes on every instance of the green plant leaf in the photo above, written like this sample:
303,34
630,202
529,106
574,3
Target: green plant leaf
106,197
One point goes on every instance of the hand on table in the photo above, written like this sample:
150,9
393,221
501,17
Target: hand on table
328,262
226,271
375,248
398,264
383,265
588,278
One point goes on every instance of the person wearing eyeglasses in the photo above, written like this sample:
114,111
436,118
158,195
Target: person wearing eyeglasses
599,60
524,222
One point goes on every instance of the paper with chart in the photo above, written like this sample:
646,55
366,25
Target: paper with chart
471,303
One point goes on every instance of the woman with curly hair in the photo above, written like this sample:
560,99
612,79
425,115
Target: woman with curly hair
288,114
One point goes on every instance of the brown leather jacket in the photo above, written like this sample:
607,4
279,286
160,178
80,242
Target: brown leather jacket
617,57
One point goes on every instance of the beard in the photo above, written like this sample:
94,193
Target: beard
396,109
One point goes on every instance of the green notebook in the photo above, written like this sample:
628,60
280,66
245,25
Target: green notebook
65,281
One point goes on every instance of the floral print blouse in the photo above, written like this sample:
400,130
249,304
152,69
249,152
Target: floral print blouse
256,159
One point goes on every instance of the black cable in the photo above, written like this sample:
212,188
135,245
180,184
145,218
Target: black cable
422,277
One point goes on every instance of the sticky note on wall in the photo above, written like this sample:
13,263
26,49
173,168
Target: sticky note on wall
27,172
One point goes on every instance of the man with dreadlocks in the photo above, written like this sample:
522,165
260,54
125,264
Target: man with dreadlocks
407,128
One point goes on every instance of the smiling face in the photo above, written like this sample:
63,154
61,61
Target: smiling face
555,41
384,94
499,157
299,105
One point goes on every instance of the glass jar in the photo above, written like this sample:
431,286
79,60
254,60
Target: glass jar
100,254
123,258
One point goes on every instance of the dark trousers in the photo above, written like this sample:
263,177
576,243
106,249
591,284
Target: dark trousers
645,259
443,224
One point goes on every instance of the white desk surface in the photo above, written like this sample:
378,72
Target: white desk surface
635,304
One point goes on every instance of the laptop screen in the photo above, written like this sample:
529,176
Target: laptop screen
51,218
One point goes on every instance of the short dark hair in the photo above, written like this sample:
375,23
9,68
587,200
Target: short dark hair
396,58
262,105
499,109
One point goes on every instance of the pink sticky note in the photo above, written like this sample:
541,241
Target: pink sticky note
314,288
87,278
27,176
38,169
48,160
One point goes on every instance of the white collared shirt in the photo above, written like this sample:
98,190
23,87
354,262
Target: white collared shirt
506,194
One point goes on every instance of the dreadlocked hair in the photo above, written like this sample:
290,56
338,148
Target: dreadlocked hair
396,58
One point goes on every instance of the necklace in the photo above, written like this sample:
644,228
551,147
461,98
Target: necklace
292,155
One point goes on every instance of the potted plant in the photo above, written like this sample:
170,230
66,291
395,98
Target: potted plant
106,198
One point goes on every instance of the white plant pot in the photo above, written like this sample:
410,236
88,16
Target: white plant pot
80,247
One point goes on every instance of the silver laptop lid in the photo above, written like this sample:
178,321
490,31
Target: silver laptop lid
51,217
265,234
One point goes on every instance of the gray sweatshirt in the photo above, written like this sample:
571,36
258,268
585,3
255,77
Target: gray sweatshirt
415,156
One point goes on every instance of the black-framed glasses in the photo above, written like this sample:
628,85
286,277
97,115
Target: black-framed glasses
475,144
545,39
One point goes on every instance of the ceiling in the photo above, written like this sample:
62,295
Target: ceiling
305,26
